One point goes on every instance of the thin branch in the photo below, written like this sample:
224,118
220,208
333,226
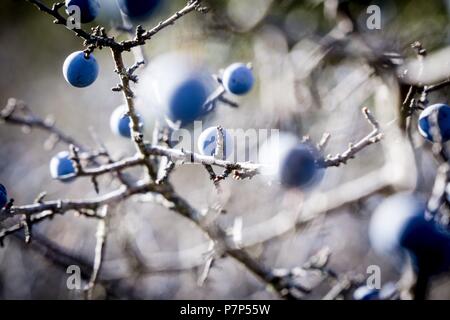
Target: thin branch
207,265
344,284
323,141
168,168
110,167
371,138
99,39
439,148
60,206
9,115
142,36
218,95
228,101
438,196
184,156
437,86
87,207
123,178
99,253
136,129
285,287
61,258
90,39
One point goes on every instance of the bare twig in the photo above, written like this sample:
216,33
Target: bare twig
344,284
87,207
142,36
168,168
123,178
99,39
323,141
136,130
184,156
220,151
437,86
372,137
218,95
110,167
99,253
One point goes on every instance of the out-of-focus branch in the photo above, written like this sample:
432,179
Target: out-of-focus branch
439,147
123,178
99,253
62,259
284,285
437,86
438,196
343,285
10,115
218,95
323,141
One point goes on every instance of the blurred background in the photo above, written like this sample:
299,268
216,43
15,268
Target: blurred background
316,64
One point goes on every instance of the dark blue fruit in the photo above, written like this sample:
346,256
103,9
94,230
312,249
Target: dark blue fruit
3,196
89,9
443,122
138,9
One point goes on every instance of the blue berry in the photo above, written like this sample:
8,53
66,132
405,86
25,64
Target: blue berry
3,196
178,86
138,9
238,79
443,121
120,122
185,100
207,142
298,167
61,166
389,291
398,228
80,71
365,293
89,9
